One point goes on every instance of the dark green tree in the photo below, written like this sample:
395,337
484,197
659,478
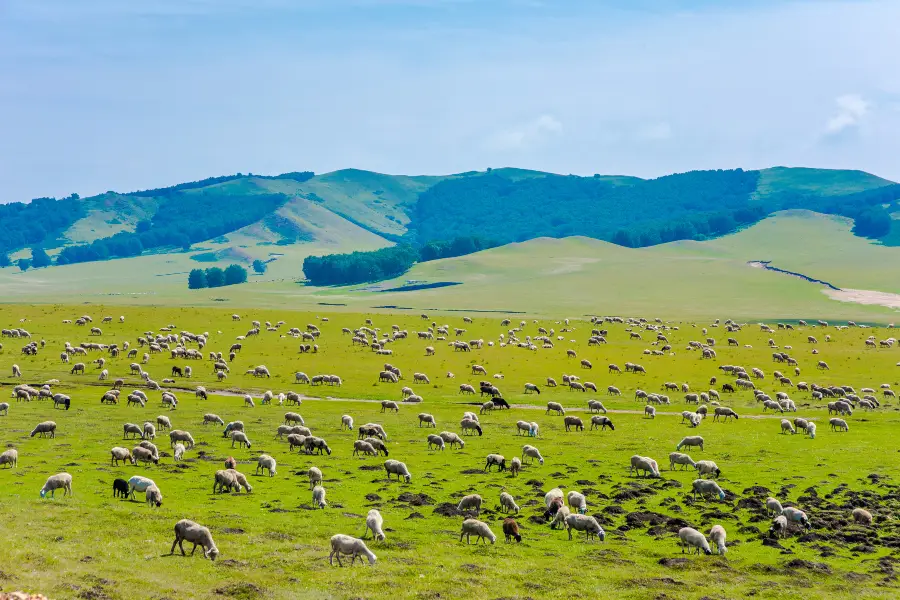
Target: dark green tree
197,279
259,266
24,264
4,260
873,223
215,277
235,274
39,258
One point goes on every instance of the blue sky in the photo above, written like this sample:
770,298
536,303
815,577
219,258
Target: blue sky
132,94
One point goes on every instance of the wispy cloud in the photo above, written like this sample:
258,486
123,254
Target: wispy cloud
851,110
526,135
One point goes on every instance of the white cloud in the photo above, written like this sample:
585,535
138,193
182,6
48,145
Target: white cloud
525,135
655,132
852,108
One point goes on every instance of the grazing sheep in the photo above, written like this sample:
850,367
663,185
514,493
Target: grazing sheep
602,422
43,428
120,488
645,464
427,419
836,425
4,408
365,448
708,467
189,531
795,515
120,454
179,451
508,503
478,528
773,506
555,407
163,422
436,441
389,405
861,516
495,459
347,421
265,463
787,427
397,468
573,422
532,453
176,435
154,496
585,523
349,546
717,534
596,406
511,530
472,502
61,481
470,425
315,476
677,458
318,496
375,522
724,411
241,438
577,502
145,455
233,426
706,487
10,457
452,439
693,539
650,411
691,440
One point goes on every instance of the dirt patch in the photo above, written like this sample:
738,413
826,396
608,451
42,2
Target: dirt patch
416,499
414,515
373,497
353,516
239,590
799,563
472,472
370,468
867,297
231,530
445,509
674,563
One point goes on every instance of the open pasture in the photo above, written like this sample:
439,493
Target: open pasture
274,543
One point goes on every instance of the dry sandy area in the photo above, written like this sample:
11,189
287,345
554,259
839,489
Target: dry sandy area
865,297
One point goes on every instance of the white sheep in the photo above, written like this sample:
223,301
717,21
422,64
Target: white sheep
577,502
347,421
374,522
508,503
773,506
478,528
137,483
691,440
318,496
708,467
241,438
154,496
179,451
471,502
10,457
176,435
691,538
706,487
677,458
795,515
645,464
532,453
186,530
265,462
436,441
349,546
315,476
717,535
585,523
120,454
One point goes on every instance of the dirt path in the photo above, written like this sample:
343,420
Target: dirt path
865,297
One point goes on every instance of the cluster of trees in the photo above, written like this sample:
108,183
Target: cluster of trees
194,185
363,267
37,222
359,267
216,277
181,220
641,212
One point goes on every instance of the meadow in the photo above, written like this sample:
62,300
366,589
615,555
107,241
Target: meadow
274,544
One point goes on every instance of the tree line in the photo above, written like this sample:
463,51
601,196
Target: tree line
215,277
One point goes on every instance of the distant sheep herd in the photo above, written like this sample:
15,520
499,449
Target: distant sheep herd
567,512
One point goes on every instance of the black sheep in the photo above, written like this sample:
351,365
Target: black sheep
498,401
120,488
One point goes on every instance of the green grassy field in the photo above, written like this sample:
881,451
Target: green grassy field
274,545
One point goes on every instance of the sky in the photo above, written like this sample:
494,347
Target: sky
100,95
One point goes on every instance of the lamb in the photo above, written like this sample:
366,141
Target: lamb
577,502
708,467
478,528
397,468
349,546
811,430
241,438
645,464
585,523
176,435
532,453
691,440
471,502
786,427
120,488
836,425
120,454
318,496
508,503
154,496
862,516
179,451
45,427
347,421
573,422
677,458
374,522
495,459
265,462
691,538
515,466
717,534
186,530
511,530
773,506
436,441
779,526
706,487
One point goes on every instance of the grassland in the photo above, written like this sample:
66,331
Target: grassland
274,545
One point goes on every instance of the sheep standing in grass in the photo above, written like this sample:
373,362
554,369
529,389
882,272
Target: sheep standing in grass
691,440
508,503
472,502
795,515
717,535
708,467
10,457
477,528
154,496
349,546
318,496
436,441
861,516
43,428
779,526
241,438
176,435
677,458
707,487
645,464
427,419
347,422
650,412
4,408
375,522
585,523
60,481
511,530
577,502
773,506
787,427
189,531
515,466
137,483
693,539
836,425
120,454
532,453
264,463
315,477
179,451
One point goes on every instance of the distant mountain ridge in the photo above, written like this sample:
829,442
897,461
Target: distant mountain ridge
499,205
